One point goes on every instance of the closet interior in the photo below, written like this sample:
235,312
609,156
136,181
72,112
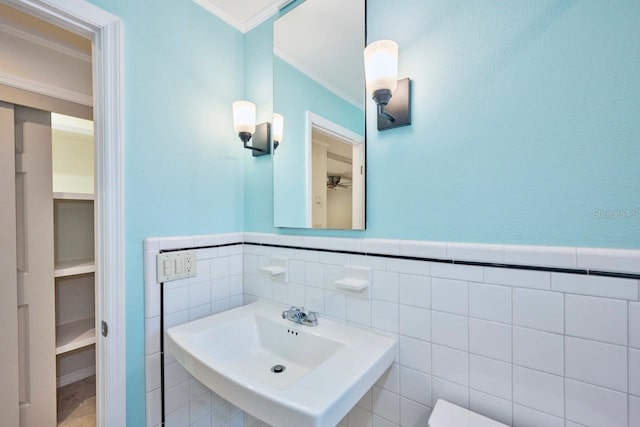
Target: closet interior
73,203
49,301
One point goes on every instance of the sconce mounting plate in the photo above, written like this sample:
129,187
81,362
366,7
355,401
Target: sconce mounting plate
399,107
261,140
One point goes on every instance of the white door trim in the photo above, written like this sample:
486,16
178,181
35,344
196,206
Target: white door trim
106,32
345,135
357,209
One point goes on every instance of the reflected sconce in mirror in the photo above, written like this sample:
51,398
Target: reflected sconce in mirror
392,96
244,122
278,130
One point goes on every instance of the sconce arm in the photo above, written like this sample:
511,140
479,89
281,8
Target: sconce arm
382,98
253,148
261,144
384,113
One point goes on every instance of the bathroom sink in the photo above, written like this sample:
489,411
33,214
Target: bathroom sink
283,373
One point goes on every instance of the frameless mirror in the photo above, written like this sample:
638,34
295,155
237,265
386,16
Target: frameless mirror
319,89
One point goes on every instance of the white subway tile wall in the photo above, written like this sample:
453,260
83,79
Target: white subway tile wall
527,348
216,287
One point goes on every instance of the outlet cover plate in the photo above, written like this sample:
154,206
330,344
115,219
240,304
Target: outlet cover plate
176,265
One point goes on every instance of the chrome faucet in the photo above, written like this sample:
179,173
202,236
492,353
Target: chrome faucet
298,315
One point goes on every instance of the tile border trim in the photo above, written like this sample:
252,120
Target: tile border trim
569,270
584,272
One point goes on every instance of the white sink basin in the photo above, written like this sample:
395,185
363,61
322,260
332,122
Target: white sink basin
328,368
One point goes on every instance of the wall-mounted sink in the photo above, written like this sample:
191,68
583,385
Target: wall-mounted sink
239,354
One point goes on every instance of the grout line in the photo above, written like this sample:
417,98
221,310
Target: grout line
431,400
564,357
162,367
468,343
511,346
485,392
542,412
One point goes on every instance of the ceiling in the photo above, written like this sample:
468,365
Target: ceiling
325,39
243,14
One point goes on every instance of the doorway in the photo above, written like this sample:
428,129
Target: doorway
335,175
105,32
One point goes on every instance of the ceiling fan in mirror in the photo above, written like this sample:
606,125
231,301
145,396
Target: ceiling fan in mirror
335,181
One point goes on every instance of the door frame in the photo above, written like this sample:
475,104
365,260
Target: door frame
106,32
345,135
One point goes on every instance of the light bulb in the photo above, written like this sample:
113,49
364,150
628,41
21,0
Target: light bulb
381,65
278,127
244,117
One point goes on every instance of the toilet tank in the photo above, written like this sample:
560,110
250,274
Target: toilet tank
446,414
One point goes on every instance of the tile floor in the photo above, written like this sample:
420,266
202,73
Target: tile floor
77,404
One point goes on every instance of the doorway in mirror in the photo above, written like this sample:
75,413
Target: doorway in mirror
337,175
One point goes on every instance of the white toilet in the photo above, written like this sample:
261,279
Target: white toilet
447,414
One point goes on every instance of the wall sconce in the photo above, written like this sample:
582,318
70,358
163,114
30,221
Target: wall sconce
278,130
244,122
392,96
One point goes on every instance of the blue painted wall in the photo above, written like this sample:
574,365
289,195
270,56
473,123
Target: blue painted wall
525,125
184,164
258,185
294,95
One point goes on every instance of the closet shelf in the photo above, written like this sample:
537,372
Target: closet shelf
74,335
73,196
74,267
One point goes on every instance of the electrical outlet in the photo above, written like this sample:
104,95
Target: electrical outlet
176,265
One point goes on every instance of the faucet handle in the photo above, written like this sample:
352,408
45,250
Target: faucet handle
293,310
310,319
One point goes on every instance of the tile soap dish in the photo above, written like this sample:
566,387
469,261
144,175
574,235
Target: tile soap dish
356,280
277,266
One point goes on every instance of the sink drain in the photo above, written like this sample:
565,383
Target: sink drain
276,369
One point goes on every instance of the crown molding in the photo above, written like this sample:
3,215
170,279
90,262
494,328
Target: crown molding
250,23
205,4
322,82
264,14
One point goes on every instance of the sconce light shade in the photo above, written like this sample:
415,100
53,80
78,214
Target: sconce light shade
392,97
244,117
381,66
278,129
244,122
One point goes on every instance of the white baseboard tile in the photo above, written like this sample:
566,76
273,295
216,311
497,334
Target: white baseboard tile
208,240
476,252
543,256
381,246
416,248
623,260
178,242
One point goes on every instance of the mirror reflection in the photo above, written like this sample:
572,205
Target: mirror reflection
319,169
